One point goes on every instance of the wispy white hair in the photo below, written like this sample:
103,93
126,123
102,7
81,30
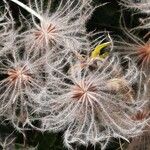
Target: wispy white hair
135,48
92,106
8,33
62,27
7,141
143,5
23,76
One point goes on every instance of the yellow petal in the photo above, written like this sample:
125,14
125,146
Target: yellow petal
95,53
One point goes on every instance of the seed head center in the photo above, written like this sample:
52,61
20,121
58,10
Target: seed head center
46,30
147,48
79,91
18,74
144,51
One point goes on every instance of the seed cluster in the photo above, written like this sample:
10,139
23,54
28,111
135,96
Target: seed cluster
55,76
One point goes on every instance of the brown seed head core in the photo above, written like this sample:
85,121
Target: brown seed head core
141,115
18,74
144,54
44,32
82,90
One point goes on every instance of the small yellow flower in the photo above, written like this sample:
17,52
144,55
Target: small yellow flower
98,52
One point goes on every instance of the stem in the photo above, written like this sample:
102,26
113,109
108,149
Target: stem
28,9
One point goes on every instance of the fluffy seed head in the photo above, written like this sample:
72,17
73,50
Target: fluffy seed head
136,49
22,77
7,33
91,105
141,142
53,29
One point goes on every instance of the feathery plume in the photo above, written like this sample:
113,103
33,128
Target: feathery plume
92,106
134,48
62,28
22,76
8,34
141,142
7,142
142,5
